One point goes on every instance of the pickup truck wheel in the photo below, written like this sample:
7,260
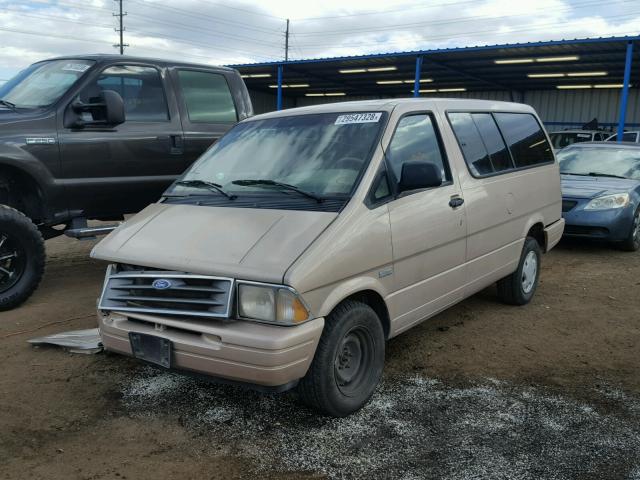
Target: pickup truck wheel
348,362
519,287
22,258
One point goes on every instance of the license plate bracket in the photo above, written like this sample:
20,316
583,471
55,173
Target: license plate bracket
152,349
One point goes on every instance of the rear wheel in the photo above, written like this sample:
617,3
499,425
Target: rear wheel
632,243
519,287
348,362
22,258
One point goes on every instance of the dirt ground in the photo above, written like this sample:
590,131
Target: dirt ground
550,390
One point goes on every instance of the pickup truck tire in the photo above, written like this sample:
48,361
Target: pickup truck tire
519,287
348,362
22,257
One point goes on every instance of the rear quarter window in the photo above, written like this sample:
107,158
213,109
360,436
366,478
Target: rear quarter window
207,97
525,138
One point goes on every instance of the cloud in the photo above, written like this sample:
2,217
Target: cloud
223,32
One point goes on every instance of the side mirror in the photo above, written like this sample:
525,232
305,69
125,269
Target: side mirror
107,111
417,175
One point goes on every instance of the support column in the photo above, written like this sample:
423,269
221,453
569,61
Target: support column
416,82
625,91
279,97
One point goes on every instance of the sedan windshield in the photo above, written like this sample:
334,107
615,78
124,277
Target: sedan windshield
564,139
617,162
43,83
312,156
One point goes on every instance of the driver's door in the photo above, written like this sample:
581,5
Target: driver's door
110,171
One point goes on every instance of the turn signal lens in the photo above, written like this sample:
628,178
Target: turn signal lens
290,308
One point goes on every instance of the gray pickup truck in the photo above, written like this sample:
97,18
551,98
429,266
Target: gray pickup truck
97,137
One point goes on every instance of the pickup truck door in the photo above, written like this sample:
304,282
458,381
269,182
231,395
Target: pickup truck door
207,107
111,171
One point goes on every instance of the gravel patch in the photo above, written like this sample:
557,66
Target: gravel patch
413,428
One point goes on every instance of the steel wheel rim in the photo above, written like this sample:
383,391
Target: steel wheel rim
353,359
529,272
12,262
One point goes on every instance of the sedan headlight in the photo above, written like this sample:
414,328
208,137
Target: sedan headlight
617,200
271,303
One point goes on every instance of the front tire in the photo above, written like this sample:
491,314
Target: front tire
22,258
519,287
348,362
632,243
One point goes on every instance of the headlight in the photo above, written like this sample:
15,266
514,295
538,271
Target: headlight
617,200
271,304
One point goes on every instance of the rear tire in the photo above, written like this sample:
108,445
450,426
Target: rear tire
519,287
348,362
632,243
22,258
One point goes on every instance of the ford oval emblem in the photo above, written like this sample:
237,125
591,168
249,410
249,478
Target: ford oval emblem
161,284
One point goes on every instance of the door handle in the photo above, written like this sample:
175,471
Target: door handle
177,144
456,201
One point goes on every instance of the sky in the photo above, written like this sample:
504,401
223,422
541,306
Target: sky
229,32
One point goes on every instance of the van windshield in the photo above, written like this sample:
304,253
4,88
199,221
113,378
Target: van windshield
42,84
319,154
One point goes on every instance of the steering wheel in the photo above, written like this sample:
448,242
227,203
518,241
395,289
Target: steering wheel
351,163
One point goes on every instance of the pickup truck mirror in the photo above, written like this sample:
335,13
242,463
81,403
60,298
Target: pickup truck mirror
417,175
107,111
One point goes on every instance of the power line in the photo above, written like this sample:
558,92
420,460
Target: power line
51,35
446,21
245,10
57,18
201,16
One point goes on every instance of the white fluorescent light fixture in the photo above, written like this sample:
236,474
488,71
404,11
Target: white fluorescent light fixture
610,85
389,82
256,75
291,85
370,69
440,90
569,58
573,87
587,74
507,61
422,80
327,94
545,75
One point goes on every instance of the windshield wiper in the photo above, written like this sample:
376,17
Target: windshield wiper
7,103
214,187
273,183
594,174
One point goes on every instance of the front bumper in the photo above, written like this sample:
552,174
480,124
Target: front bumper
611,225
239,351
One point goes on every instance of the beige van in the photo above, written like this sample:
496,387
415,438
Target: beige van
304,239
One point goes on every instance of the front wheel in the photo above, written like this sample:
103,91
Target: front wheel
519,287
632,242
22,258
348,362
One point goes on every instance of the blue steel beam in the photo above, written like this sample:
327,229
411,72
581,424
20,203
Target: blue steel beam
279,98
416,82
625,90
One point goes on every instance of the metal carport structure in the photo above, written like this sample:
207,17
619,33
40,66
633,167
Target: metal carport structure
569,82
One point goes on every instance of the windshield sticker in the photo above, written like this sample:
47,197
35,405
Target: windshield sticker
358,118
75,67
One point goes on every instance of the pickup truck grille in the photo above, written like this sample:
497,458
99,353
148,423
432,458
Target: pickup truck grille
166,293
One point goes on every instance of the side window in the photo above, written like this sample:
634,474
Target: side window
207,97
525,138
140,89
482,145
415,140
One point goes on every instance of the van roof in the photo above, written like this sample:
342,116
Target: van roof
388,104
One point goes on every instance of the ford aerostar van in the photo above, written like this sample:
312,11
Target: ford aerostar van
304,239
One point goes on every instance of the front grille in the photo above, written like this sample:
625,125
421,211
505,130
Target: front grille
582,230
166,293
567,205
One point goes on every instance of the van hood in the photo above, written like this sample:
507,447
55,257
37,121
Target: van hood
576,186
242,243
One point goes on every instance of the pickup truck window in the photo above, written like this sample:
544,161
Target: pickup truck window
526,140
482,145
140,88
42,84
415,140
207,97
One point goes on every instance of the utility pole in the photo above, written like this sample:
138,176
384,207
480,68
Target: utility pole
286,43
120,16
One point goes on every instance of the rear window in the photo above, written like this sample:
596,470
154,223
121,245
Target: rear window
482,145
525,138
